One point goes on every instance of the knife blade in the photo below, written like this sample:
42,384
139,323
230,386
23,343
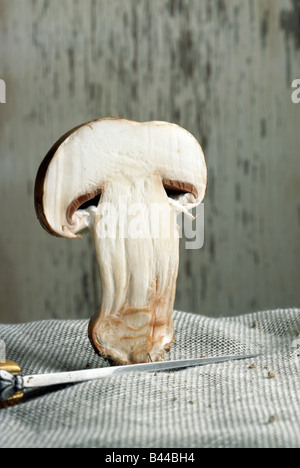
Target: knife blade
10,383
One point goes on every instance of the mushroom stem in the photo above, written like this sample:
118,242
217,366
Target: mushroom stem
137,249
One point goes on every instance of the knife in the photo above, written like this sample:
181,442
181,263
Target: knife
13,384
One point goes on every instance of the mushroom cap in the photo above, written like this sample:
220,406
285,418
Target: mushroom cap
109,151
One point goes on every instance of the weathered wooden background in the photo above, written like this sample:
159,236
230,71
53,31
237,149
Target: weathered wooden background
220,68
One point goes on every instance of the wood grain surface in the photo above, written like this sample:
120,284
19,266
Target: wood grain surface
220,68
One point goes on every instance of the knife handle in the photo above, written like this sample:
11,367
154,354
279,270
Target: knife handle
11,384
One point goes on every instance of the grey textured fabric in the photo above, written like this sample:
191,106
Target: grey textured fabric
221,405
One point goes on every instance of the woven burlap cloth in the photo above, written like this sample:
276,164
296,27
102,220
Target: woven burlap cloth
232,404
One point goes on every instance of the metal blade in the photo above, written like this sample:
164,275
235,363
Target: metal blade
45,380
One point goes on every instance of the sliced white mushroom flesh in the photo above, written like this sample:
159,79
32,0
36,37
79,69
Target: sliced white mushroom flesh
135,176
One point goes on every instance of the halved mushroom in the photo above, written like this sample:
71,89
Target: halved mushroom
125,181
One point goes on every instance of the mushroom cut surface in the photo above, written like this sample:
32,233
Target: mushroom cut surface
122,180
